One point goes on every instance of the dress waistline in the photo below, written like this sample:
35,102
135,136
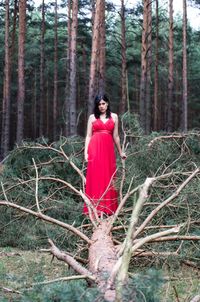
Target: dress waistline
102,131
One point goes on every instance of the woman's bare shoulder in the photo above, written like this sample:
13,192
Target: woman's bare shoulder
114,116
91,118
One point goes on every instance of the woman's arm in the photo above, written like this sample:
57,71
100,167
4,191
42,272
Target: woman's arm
116,137
88,136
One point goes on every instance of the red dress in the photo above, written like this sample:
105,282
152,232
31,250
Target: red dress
101,168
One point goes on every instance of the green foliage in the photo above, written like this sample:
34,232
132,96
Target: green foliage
56,199
144,287
73,291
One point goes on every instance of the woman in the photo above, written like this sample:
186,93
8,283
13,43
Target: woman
102,133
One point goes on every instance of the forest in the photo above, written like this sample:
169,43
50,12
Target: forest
55,57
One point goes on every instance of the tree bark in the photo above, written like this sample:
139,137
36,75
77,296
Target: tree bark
73,49
171,69
67,84
184,97
94,56
143,78
102,50
21,71
5,133
42,66
55,86
156,111
149,63
123,100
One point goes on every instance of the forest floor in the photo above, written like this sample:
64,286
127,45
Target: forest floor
19,270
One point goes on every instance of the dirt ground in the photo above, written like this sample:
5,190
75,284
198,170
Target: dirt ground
21,269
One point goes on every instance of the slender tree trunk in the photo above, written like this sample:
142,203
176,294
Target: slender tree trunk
94,56
171,69
143,78
156,104
102,47
72,109
184,101
21,72
149,63
42,66
123,101
34,107
6,90
55,91
67,84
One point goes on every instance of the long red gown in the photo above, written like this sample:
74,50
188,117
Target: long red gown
101,168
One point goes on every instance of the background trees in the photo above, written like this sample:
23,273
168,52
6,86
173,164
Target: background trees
52,100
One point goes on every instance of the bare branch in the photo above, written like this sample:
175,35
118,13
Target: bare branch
76,277
69,260
165,202
36,186
47,218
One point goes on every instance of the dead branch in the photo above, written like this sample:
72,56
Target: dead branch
196,299
191,264
10,254
152,237
165,202
172,238
69,260
10,290
76,277
165,137
36,187
47,218
60,152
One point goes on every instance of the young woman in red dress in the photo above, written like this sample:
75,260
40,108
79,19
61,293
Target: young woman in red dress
102,135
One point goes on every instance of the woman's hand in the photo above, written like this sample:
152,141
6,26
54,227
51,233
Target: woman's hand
123,155
86,158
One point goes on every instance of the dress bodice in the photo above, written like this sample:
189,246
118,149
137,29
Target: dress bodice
98,126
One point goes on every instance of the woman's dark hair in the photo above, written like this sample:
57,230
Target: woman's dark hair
97,100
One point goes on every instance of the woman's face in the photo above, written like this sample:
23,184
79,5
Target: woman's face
102,106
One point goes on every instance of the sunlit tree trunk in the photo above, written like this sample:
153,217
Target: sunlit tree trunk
156,110
143,78
94,57
72,96
68,69
102,49
123,100
55,90
21,72
42,66
149,63
171,69
6,90
184,125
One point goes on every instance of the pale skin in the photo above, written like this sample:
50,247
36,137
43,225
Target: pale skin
102,108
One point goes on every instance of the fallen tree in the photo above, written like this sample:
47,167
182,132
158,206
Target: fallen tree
140,230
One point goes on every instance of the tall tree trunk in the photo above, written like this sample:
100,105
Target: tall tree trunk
123,101
94,56
72,98
143,78
171,69
21,72
184,101
34,107
102,47
6,90
42,66
55,91
149,63
156,110
67,84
